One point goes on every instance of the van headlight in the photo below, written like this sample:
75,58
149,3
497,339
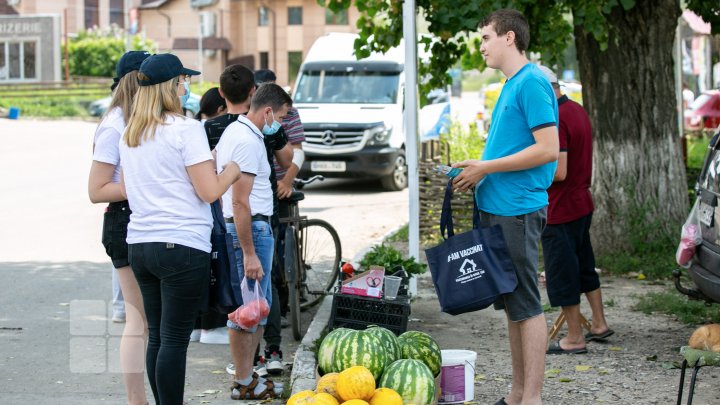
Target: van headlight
379,135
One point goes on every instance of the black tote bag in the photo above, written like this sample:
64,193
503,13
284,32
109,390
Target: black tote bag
224,294
470,270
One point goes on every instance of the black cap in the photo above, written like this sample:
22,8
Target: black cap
264,76
128,62
163,67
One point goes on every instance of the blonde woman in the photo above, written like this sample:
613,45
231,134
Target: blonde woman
169,178
104,187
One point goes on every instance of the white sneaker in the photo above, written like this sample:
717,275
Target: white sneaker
230,369
118,317
260,368
217,336
284,323
195,335
274,363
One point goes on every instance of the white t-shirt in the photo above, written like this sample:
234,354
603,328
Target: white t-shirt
107,137
164,204
242,143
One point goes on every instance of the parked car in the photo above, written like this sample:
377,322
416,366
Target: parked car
704,112
704,268
98,107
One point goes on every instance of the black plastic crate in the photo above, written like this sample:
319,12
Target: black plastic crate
356,312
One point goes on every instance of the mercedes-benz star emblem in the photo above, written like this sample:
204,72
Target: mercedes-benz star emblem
328,138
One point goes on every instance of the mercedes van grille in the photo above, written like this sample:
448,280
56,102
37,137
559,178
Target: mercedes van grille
337,141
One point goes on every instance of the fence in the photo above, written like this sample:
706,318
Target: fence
432,192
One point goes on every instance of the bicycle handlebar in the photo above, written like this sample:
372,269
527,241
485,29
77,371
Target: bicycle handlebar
312,179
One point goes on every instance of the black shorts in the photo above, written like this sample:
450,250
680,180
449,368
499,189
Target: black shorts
114,234
569,261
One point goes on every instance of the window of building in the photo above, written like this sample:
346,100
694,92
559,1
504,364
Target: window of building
92,13
294,62
339,18
264,60
294,15
117,13
263,16
18,60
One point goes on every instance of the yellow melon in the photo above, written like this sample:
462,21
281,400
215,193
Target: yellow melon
328,384
301,398
356,382
386,396
355,402
323,398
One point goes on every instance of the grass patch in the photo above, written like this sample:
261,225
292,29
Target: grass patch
49,106
548,309
671,302
401,235
610,303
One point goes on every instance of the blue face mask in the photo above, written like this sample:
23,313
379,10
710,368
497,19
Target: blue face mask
271,130
184,98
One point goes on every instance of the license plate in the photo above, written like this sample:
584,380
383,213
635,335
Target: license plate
705,214
327,166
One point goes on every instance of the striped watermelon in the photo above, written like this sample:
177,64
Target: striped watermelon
360,348
421,346
327,348
389,341
411,379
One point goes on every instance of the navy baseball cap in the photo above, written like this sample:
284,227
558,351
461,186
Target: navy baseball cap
128,62
163,67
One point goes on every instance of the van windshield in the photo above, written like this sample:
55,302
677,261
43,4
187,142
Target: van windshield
351,87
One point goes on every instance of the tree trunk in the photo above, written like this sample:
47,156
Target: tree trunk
628,92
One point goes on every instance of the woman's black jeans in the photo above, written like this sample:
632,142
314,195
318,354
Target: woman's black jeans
173,280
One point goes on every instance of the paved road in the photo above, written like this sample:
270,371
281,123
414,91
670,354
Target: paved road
56,344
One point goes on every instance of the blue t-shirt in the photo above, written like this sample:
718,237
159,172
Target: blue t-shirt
527,102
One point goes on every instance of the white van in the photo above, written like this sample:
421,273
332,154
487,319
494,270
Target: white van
352,112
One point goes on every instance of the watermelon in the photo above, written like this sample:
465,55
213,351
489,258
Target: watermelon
327,349
360,348
421,346
411,379
389,341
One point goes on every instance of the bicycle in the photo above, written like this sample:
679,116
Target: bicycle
312,257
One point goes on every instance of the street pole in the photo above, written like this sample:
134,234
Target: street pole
411,132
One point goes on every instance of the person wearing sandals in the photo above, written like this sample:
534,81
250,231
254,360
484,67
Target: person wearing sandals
248,208
567,251
169,177
104,187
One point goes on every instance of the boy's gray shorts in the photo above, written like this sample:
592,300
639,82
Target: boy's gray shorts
522,235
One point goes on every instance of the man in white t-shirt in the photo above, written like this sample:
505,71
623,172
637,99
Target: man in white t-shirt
247,208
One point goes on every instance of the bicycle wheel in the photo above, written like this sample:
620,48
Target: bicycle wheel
320,257
294,281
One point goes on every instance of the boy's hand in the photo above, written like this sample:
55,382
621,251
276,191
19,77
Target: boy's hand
473,172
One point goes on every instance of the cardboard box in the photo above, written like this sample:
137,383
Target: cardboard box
366,284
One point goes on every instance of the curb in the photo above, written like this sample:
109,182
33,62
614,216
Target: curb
304,366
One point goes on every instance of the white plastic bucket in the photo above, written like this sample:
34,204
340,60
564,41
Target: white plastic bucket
457,376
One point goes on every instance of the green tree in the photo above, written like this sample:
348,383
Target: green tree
625,58
96,52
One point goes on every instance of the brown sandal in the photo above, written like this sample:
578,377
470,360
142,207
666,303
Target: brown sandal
245,392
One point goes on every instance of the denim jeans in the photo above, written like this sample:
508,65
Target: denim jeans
264,244
171,278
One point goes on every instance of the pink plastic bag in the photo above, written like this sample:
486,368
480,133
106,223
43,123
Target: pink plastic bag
254,309
690,238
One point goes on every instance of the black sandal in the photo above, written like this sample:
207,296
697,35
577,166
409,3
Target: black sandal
247,392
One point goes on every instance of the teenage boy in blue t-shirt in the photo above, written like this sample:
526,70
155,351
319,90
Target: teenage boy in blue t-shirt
511,180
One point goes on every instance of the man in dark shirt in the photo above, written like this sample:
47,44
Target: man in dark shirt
569,258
